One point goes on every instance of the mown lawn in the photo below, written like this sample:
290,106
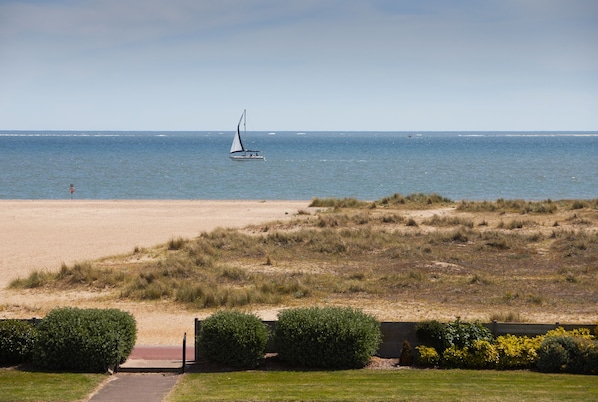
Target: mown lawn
345,385
385,385
18,385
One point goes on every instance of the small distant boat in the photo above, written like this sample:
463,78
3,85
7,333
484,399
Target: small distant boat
238,152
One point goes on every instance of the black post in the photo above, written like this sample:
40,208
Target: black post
184,352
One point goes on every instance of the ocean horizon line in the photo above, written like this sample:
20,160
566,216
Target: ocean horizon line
107,133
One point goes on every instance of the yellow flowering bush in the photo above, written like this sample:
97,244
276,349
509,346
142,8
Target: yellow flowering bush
517,352
480,355
574,351
427,356
577,333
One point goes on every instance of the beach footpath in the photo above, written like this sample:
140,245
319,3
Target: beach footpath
148,375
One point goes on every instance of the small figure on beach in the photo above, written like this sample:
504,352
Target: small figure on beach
71,190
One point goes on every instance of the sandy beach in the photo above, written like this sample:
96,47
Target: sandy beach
41,235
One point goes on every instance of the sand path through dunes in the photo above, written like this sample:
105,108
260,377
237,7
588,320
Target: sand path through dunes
39,235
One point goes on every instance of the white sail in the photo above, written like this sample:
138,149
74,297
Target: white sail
237,145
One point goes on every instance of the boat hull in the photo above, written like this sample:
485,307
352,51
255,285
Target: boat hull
247,158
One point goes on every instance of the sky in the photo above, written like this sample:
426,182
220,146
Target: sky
305,65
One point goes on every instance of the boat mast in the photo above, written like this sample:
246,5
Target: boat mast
244,128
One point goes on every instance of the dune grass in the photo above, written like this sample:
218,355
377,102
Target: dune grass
516,261
385,385
23,385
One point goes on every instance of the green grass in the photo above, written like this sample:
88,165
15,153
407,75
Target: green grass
346,385
385,385
18,385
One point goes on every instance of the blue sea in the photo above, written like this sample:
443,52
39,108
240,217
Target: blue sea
300,166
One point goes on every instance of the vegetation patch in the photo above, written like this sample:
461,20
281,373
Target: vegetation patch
89,340
233,338
17,340
351,251
384,385
332,337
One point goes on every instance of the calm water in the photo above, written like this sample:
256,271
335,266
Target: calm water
364,165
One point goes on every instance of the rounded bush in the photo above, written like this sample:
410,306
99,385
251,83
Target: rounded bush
331,337
553,355
233,338
90,340
17,340
584,358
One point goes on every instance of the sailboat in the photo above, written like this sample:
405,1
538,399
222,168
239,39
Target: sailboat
238,152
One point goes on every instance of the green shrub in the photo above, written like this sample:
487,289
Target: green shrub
553,355
427,356
569,354
457,344
459,334
431,333
331,337
233,338
90,340
17,340
463,334
584,358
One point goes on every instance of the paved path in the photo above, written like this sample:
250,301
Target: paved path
128,387
146,387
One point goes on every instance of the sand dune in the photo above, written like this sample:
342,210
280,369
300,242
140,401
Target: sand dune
38,235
